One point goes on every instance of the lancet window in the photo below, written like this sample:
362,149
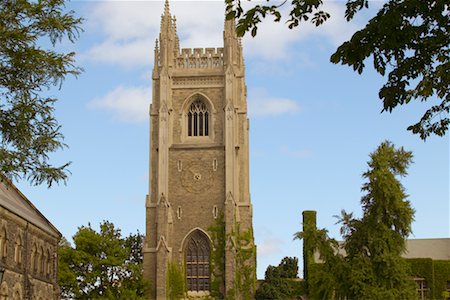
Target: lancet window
3,243
48,263
42,259
18,250
197,263
34,258
198,119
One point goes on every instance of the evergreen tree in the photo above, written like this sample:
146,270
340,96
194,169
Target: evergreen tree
29,65
372,267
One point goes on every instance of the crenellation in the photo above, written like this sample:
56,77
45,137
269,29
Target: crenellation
199,58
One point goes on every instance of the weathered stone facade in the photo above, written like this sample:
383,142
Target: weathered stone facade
198,210
28,248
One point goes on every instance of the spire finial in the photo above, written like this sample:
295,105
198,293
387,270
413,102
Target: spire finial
166,8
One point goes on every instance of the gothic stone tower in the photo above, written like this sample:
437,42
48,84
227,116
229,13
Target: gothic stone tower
199,237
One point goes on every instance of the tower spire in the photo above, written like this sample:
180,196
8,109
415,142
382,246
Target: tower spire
166,8
168,38
232,45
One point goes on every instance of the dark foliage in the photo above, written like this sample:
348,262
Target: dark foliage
28,130
371,267
408,41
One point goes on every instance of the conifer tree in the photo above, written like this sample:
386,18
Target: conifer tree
372,267
29,67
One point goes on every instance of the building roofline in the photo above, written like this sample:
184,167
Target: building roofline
8,182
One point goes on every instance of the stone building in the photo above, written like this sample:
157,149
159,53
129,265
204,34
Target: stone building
28,248
199,237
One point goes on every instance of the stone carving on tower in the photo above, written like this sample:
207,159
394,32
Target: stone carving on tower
199,236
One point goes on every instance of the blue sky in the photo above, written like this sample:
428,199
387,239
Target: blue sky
313,125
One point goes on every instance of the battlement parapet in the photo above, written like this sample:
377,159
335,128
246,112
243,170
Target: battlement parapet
199,58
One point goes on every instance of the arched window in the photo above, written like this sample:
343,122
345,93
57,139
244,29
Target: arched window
34,259
48,263
18,250
197,262
198,119
41,265
3,243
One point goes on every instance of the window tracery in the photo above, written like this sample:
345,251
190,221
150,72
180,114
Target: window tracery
198,119
197,263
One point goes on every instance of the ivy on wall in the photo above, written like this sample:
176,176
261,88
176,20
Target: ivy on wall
435,272
217,266
176,288
245,263
245,282
309,225
441,277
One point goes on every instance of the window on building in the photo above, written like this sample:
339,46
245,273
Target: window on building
48,263
18,250
197,262
198,119
3,243
34,259
41,260
422,288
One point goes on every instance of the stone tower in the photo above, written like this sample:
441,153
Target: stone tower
199,237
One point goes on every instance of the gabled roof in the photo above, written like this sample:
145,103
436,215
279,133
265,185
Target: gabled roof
438,248
14,201
434,248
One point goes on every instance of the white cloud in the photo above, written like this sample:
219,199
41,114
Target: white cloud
125,54
275,40
124,20
130,28
128,104
261,104
199,23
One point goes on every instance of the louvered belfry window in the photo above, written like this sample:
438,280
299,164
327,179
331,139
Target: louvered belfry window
197,262
198,119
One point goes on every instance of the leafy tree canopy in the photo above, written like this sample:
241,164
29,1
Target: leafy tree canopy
408,41
101,265
372,267
28,130
278,282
